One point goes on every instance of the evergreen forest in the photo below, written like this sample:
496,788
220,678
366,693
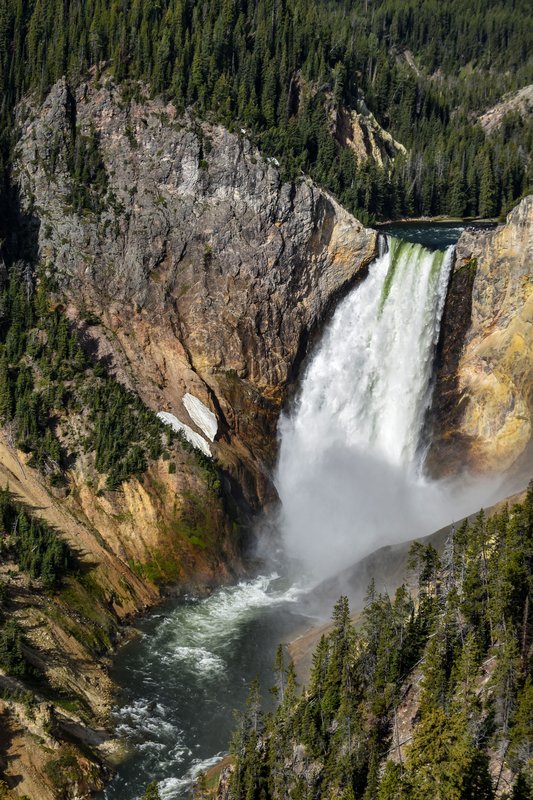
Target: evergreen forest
286,70
32,544
39,553
429,696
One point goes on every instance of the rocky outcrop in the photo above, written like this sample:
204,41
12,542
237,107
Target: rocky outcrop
208,272
168,529
482,415
520,102
362,133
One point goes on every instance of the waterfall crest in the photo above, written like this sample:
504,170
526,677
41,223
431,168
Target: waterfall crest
349,473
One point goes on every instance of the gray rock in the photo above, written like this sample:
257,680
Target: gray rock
211,271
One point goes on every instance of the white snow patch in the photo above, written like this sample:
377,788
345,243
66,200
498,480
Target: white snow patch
201,415
194,438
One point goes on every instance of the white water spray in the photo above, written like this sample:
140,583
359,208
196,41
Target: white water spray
349,473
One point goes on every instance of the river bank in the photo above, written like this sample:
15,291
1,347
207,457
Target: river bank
441,220
190,666
177,708
187,672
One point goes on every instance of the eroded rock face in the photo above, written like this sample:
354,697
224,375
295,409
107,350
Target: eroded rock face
365,136
520,102
483,403
211,272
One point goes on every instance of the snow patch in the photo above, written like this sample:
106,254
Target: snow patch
201,415
194,438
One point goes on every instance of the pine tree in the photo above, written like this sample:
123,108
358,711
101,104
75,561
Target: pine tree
6,400
487,194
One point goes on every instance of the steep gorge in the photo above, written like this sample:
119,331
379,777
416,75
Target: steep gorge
208,273
190,267
196,277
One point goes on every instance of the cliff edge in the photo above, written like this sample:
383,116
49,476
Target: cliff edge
482,413
208,272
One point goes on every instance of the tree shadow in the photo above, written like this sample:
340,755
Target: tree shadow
6,741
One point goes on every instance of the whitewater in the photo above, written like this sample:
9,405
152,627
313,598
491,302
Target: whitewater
350,478
350,474
187,672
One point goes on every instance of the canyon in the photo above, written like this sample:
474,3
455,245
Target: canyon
201,278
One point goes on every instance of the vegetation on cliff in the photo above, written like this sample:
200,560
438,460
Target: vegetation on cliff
63,590
32,544
46,380
431,696
284,69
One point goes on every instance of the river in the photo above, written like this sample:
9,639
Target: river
188,671
192,663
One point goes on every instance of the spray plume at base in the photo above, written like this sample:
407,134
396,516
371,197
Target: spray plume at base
349,473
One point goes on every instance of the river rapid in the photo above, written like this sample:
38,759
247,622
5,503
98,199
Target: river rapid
190,667
187,672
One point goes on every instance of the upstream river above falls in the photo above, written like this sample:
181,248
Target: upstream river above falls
190,667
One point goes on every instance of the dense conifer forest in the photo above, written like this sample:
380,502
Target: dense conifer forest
39,553
284,70
451,654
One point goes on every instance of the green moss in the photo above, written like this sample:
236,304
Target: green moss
123,516
88,599
65,771
470,266
195,523
197,541
73,705
160,568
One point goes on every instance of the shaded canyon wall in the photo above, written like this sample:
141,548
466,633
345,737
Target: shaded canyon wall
482,413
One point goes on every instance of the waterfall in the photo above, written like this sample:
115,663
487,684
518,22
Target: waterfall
349,473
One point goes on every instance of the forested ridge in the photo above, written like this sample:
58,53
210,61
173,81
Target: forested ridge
283,68
429,697
286,74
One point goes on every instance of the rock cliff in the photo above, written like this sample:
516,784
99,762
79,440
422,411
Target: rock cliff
482,415
361,133
197,277
208,272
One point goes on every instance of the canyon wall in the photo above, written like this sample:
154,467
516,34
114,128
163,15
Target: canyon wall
197,277
482,414
207,272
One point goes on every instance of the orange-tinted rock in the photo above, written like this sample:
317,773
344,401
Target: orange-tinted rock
483,403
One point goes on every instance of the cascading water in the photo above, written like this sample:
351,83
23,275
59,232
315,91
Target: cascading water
349,473
349,478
